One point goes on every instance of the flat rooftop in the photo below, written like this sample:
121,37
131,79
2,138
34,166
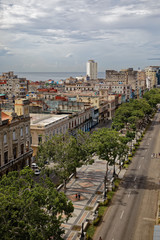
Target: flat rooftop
46,119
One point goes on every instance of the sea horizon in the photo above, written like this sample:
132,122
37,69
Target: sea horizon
56,76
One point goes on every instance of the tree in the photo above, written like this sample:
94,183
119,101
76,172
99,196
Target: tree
66,151
31,211
108,145
46,151
153,97
71,152
128,115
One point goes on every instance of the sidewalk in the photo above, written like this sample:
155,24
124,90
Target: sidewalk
90,185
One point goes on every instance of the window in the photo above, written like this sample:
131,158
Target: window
15,152
6,157
5,138
21,132
26,129
22,148
14,135
27,146
39,140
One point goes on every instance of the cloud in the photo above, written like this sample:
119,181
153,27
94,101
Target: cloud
154,58
68,28
69,55
4,51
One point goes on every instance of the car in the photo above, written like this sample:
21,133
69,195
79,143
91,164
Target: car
34,165
37,172
46,162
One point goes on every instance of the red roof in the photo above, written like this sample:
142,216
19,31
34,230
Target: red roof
43,90
3,82
4,116
60,98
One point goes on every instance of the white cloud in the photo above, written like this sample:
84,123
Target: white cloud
69,55
83,29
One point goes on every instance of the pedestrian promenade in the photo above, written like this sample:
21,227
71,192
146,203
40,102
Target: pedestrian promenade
85,192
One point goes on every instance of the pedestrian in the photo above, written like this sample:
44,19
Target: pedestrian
76,195
100,238
79,196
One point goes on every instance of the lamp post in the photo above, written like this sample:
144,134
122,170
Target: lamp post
105,180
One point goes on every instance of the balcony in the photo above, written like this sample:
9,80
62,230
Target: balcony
16,160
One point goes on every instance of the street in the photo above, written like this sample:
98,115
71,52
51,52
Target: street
132,213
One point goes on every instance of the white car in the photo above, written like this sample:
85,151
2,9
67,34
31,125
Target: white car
37,171
34,165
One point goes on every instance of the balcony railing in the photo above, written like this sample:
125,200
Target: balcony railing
14,161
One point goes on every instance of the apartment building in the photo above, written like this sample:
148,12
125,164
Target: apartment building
116,88
44,126
106,106
91,68
13,86
152,76
81,86
15,137
129,77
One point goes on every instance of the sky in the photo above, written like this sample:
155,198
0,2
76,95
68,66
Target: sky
62,35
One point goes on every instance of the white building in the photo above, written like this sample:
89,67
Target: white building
92,69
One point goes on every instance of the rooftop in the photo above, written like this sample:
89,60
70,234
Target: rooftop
46,119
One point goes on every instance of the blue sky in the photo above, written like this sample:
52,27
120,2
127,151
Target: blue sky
62,35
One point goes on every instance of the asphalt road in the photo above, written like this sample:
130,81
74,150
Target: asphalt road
132,213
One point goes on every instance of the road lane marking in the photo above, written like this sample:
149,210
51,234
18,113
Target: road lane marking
129,194
139,166
122,214
135,178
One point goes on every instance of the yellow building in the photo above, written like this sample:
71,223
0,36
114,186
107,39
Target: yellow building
45,126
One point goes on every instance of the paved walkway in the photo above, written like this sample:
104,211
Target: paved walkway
90,185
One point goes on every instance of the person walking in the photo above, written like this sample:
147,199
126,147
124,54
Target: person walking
79,196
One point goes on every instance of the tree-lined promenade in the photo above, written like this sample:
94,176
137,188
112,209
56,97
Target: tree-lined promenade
36,210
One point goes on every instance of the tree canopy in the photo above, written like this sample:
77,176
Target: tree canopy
153,97
129,114
66,151
108,145
30,210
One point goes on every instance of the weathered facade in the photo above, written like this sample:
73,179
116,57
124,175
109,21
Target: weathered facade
15,138
13,86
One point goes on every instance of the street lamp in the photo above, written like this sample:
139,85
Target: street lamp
105,180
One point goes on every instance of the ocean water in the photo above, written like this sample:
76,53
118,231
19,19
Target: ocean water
56,76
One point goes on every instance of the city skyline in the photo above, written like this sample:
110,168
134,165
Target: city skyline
63,35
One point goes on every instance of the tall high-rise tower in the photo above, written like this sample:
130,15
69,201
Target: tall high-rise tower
92,69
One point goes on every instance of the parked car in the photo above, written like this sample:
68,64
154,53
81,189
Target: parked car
46,162
37,171
34,165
